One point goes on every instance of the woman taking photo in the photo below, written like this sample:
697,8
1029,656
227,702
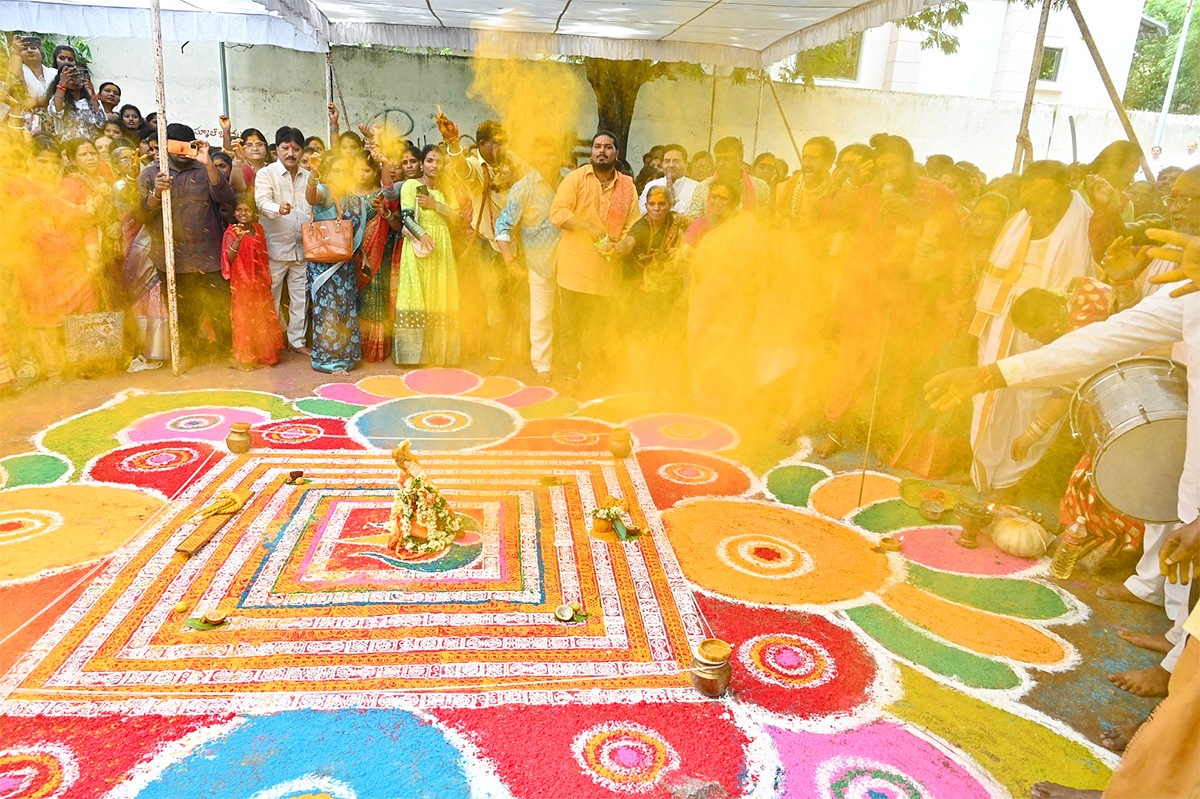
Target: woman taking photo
72,103
337,341
427,328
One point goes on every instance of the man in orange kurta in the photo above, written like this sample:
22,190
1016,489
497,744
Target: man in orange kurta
595,206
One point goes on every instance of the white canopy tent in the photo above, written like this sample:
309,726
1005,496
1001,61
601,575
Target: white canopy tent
746,33
244,21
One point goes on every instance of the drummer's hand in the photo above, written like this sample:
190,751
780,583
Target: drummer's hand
1179,557
1188,258
1021,447
956,386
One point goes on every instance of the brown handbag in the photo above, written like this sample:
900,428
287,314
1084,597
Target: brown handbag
328,242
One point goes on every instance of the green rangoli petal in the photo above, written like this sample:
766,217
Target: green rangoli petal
559,406
889,515
1021,598
908,642
793,484
33,469
316,406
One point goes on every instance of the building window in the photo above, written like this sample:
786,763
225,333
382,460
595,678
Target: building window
1051,63
840,59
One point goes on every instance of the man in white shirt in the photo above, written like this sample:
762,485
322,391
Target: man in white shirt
282,209
679,186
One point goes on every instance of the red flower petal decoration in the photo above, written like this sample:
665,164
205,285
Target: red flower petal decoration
606,750
792,663
675,474
304,432
162,466
75,757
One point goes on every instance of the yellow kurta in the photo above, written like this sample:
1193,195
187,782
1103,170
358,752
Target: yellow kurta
580,266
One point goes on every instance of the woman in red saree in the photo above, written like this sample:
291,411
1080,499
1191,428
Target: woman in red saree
257,334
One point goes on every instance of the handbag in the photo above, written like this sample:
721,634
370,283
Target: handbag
328,242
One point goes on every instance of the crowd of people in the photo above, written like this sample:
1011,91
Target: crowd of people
822,300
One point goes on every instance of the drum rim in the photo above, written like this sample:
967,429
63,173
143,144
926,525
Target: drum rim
1077,396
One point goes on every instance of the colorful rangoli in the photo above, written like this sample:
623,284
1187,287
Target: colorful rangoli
346,670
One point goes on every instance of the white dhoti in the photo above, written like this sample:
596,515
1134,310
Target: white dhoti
1018,263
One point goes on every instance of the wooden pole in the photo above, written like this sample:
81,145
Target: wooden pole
164,168
712,109
1108,84
758,115
1034,69
329,93
787,125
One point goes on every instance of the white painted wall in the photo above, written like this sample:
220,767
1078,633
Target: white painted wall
995,50
271,87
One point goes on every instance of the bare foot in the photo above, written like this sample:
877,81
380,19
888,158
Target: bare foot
1155,642
826,447
1143,682
305,351
1117,738
1117,592
1052,790
341,371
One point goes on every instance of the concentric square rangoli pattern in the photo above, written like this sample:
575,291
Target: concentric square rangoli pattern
321,614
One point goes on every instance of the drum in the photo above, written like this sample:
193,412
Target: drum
1132,420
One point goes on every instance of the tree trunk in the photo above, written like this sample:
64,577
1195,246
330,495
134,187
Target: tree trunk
616,85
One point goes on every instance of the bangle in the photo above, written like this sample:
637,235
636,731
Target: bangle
62,88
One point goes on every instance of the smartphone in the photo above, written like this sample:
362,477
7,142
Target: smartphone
176,147
422,190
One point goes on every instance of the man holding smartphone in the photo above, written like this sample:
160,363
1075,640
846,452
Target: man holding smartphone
197,191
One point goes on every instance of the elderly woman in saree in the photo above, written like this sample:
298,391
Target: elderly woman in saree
653,290
337,340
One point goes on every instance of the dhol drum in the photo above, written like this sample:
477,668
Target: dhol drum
1131,418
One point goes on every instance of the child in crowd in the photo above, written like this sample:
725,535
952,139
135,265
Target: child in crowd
257,334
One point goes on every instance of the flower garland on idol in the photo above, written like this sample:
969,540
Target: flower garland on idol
419,500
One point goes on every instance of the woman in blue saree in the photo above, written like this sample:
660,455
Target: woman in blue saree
337,340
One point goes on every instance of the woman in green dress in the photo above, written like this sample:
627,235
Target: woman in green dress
427,330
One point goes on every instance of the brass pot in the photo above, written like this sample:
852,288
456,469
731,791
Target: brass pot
239,439
711,670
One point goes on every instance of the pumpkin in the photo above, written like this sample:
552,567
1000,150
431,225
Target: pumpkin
1023,538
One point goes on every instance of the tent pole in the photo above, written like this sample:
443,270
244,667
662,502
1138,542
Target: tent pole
224,82
712,108
1166,107
787,125
1108,84
1034,69
758,115
164,168
329,89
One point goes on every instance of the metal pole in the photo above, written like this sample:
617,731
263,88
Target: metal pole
224,82
1166,107
164,168
787,125
1108,84
1034,69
